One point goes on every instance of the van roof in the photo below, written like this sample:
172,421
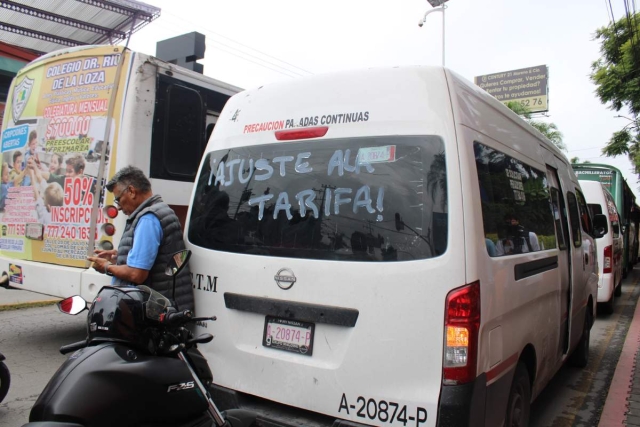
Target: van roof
400,100
593,191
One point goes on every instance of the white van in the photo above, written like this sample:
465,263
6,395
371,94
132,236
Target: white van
610,244
346,231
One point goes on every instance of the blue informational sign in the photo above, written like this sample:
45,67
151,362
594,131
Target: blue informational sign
14,138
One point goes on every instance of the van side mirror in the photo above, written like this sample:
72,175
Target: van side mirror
72,305
600,225
177,262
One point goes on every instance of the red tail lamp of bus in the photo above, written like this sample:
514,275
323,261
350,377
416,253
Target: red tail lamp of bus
105,245
111,211
109,229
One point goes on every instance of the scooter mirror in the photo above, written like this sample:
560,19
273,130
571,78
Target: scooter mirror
72,305
177,262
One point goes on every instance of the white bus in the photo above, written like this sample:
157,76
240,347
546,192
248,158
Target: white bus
60,109
389,247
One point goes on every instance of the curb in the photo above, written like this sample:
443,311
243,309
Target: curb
616,408
31,304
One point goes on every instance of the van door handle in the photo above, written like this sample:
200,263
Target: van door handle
586,259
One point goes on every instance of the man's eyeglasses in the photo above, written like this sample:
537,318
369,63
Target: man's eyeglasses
117,199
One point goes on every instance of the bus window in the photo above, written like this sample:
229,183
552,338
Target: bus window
183,139
178,132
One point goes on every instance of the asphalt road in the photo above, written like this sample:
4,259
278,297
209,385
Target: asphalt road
576,397
30,339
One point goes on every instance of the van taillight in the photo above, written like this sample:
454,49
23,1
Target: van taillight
462,323
608,260
305,133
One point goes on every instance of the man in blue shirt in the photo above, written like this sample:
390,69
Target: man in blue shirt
151,236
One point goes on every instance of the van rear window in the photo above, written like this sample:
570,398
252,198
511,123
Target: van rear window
356,199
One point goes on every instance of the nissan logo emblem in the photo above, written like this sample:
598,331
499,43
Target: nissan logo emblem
285,278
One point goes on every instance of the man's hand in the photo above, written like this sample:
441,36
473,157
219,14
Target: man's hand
109,255
99,264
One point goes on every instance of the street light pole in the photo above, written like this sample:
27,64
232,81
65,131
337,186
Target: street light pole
438,6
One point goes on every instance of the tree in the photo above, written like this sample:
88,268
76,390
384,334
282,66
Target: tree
575,160
550,130
617,78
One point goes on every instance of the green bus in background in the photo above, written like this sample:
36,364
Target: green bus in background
612,179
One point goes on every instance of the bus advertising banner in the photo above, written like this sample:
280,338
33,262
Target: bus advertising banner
52,143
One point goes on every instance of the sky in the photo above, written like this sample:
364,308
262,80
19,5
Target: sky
254,42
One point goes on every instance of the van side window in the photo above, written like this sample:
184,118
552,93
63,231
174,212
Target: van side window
574,219
585,214
557,207
516,205
585,217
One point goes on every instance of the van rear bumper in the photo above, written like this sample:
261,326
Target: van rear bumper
605,287
473,404
463,405
271,413
476,403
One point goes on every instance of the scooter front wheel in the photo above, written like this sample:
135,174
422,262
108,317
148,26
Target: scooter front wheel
5,381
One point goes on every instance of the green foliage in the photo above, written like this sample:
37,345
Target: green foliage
618,144
617,78
575,160
547,242
550,130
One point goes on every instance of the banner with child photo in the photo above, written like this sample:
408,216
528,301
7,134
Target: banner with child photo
52,148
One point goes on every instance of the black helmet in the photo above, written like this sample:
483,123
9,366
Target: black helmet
117,314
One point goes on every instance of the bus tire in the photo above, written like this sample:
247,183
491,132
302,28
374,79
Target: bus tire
580,356
519,403
5,381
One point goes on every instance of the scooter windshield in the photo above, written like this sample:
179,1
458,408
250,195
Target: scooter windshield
156,304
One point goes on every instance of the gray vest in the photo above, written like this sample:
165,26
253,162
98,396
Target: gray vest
172,242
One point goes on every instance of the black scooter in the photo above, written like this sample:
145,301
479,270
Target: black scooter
137,367
5,378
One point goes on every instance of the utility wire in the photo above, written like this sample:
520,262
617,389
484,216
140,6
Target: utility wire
243,45
282,70
632,37
585,149
609,15
631,31
213,38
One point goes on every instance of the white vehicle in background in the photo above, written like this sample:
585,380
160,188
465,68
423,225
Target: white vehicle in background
610,244
63,106
345,231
